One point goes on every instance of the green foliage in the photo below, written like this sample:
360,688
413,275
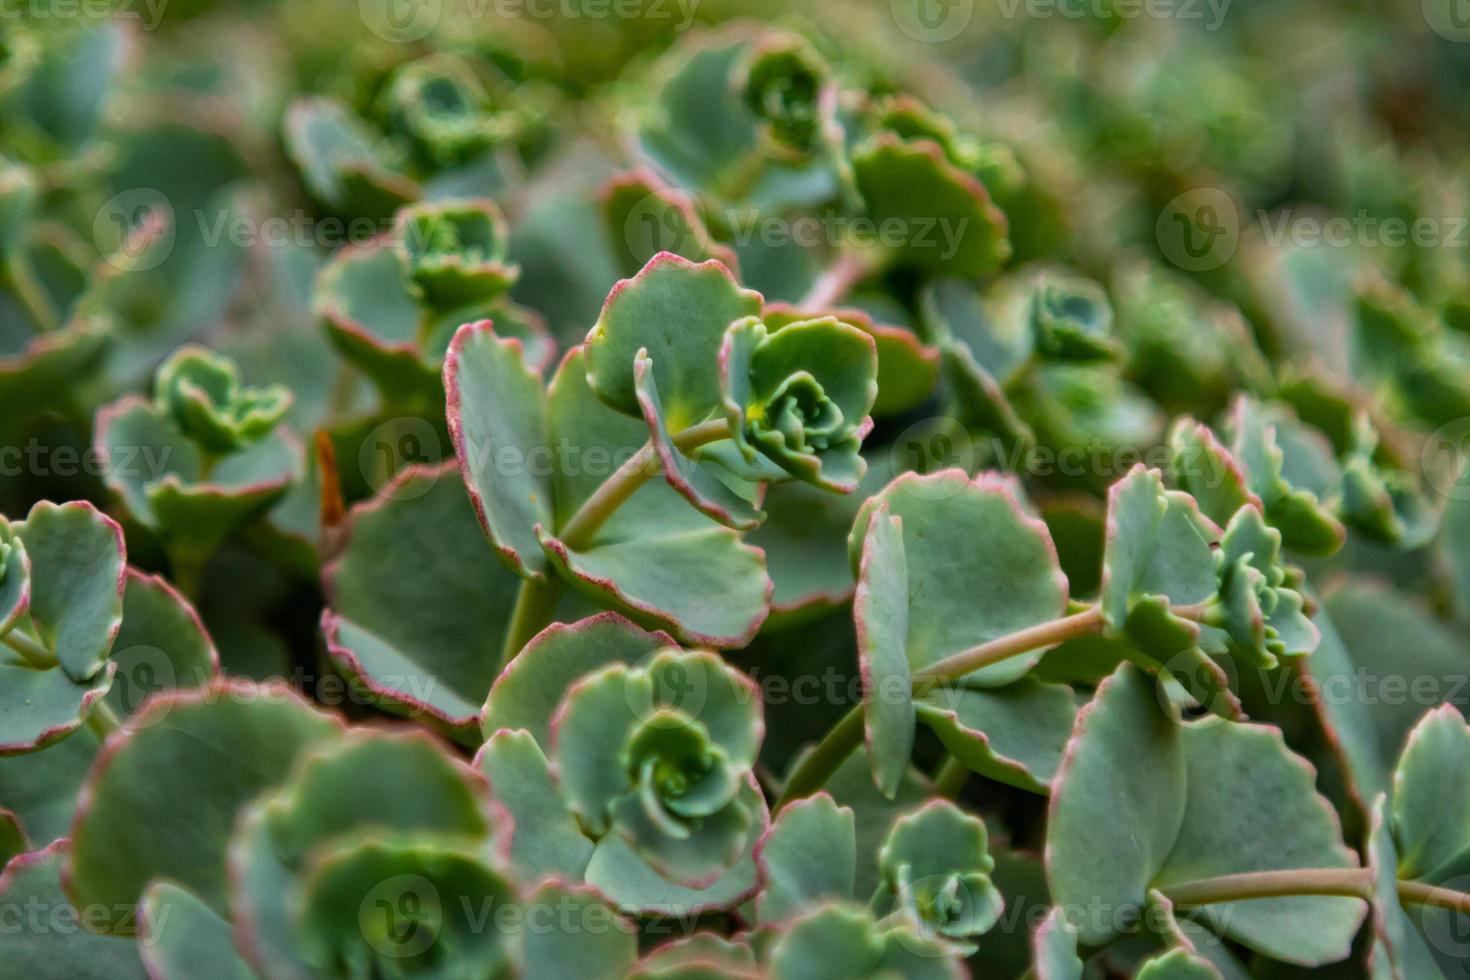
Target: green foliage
709,491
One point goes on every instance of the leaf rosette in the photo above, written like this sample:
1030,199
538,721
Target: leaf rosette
629,763
201,459
800,395
456,251
1259,605
201,393
660,755
936,872
790,89
443,113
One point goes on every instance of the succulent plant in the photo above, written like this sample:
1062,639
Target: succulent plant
650,493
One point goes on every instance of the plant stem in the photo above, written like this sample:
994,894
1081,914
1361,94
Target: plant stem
1046,634
834,283
31,651
1344,882
103,720
577,533
535,605
950,778
818,765
1441,898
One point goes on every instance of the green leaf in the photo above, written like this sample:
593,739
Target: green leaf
1117,806
374,781
978,567
497,418
1158,545
12,837
141,822
1389,636
706,587
1400,951
656,559
1252,805
702,131
1055,948
978,401
701,956
162,645
334,153
365,297
1158,555
587,940
636,887
952,227
527,693
807,856
438,106
590,731
381,905
160,476
658,754
1284,466
881,611
546,839
1178,964
1071,319
427,644
804,537
645,216
1204,468
721,496
181,937
41,788
1014,734
77,578
852,786
908,369
838,941
42,706
57,945
1431,814
50,366
678,311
